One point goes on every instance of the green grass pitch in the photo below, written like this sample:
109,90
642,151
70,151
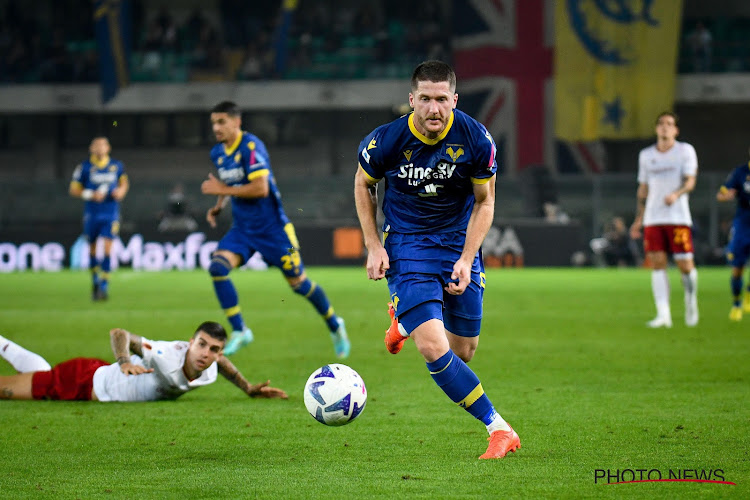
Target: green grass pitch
564,355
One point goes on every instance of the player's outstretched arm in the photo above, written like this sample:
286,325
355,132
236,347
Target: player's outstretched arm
123,343
261,390
366,200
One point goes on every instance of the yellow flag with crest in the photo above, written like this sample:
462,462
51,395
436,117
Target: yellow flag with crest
615,66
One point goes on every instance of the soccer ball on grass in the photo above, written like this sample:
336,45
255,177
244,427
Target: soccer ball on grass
335,394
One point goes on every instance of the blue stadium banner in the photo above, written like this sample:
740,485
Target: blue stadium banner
113,38
281,35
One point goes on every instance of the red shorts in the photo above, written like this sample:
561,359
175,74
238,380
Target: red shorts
671,239
70,380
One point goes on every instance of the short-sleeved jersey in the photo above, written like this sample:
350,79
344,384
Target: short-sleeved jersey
102,176
167,381
739,180
246,160
664,173
429,182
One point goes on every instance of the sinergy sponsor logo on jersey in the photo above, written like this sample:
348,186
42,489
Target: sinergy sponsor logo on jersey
416,175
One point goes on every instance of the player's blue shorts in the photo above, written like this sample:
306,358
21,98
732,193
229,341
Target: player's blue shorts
420,266
738,249
100,226
279,248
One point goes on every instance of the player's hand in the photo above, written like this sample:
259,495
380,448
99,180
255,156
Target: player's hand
460,278
377,263
131,369
671,198
263,390
635,231
118,193
99,196
211,215
212,185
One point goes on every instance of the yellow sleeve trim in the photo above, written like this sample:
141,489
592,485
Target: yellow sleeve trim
258,173
370,178
723,189
75,183
474,180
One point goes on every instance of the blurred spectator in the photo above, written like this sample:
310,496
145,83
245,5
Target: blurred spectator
700,42
252,67
615,248
57,65
176,216
207,51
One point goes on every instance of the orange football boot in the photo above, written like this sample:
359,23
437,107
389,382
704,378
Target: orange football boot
394,341
501,442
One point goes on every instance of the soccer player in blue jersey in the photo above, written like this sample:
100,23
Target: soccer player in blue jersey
102,183
259,224
737,187
439,201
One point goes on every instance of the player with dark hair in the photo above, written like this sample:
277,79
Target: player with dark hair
145,370
737,187
259,224
439,169
667,172
102,183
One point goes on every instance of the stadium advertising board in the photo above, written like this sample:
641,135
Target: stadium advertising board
25,251
509,244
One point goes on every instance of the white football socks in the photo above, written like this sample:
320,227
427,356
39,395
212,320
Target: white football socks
497,424
23,360
690,284
660,288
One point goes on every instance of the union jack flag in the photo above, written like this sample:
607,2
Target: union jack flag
503,55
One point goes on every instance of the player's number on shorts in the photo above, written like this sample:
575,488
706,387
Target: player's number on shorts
290,261
682,237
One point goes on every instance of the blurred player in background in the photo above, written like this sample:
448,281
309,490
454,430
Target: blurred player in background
666,174
259,224
439,202
156,370
737,186
102,183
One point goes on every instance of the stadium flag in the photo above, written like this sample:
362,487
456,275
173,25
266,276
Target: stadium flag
615,65
281,36
112,27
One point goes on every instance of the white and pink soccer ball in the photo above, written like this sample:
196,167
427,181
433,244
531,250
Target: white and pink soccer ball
335,394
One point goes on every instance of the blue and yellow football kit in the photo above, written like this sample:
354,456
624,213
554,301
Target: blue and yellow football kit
260,224
427,204
100,218
739,244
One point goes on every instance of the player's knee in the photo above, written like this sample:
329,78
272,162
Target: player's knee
219,266
466,353
303,287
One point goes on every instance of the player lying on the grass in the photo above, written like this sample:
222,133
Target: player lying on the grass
145,370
